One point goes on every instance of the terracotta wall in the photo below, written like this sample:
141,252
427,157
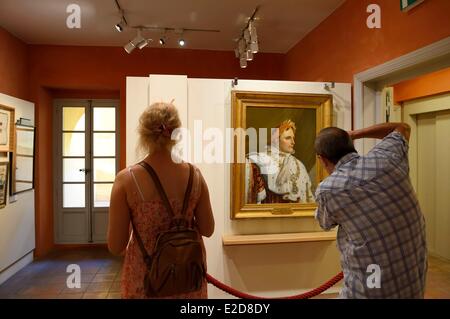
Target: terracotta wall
100,72
342,45
422,86
13,66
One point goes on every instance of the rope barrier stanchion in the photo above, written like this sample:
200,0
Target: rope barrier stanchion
305,295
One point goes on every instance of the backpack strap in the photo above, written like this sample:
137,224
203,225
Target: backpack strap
163,195
147,257
187,194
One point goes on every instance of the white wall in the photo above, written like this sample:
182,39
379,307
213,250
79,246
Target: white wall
17,221
266,270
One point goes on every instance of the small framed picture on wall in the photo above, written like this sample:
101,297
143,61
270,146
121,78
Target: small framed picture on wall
6,128
4,169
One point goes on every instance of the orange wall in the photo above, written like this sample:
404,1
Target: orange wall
425,85
342,45
13,66
100,72
43,176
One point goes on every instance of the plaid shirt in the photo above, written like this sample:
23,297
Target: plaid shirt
372,200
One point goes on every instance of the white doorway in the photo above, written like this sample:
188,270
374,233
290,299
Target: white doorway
369,86
85,163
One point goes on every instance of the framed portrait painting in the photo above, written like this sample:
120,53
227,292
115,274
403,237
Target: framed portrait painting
275,170
6,128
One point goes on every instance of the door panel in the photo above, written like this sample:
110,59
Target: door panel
426,172
443,184
74,225
433,131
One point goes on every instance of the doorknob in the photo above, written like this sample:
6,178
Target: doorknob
85,170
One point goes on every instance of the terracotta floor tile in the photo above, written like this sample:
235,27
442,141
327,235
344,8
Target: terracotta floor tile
99,287
95,295
115,287
114,295
82,289
103,277
50,289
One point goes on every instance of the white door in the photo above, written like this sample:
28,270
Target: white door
434,178
86,162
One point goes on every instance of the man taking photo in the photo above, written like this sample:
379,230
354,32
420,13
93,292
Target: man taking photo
381,234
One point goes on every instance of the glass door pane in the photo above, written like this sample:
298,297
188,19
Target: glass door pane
104,119
73,156
104,144
74,118
102,194
104,169
73,144
74,195
72,170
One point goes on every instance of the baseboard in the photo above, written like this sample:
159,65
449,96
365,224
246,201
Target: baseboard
9,271
432,254
78,246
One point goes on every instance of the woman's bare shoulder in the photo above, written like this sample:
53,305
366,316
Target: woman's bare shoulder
124,175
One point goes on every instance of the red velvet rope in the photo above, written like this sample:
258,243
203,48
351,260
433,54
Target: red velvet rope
305,295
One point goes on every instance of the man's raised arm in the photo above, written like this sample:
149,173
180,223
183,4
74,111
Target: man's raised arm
381,130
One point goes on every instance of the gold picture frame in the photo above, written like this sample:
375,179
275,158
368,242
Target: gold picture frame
6,128
260,111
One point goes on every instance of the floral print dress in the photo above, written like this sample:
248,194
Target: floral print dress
150,218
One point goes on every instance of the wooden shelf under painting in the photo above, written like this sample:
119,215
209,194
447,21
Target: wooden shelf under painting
229,240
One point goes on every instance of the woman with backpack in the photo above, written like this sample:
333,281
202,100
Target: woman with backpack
168,207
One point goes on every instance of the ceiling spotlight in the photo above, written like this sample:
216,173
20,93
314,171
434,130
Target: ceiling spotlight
139,38
129,47
138,42
143,43
254,47
249,55
247,44
252,31
243,62
247,36
119,26
162,41
181,42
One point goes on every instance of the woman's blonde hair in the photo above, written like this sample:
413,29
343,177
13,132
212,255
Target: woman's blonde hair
156,125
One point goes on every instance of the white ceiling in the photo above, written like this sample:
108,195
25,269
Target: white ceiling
280,23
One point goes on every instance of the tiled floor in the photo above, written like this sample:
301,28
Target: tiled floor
438,279
44,279
100,277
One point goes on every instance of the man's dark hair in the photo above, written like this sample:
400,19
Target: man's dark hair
333,143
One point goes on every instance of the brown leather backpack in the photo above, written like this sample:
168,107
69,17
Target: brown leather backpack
176,264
